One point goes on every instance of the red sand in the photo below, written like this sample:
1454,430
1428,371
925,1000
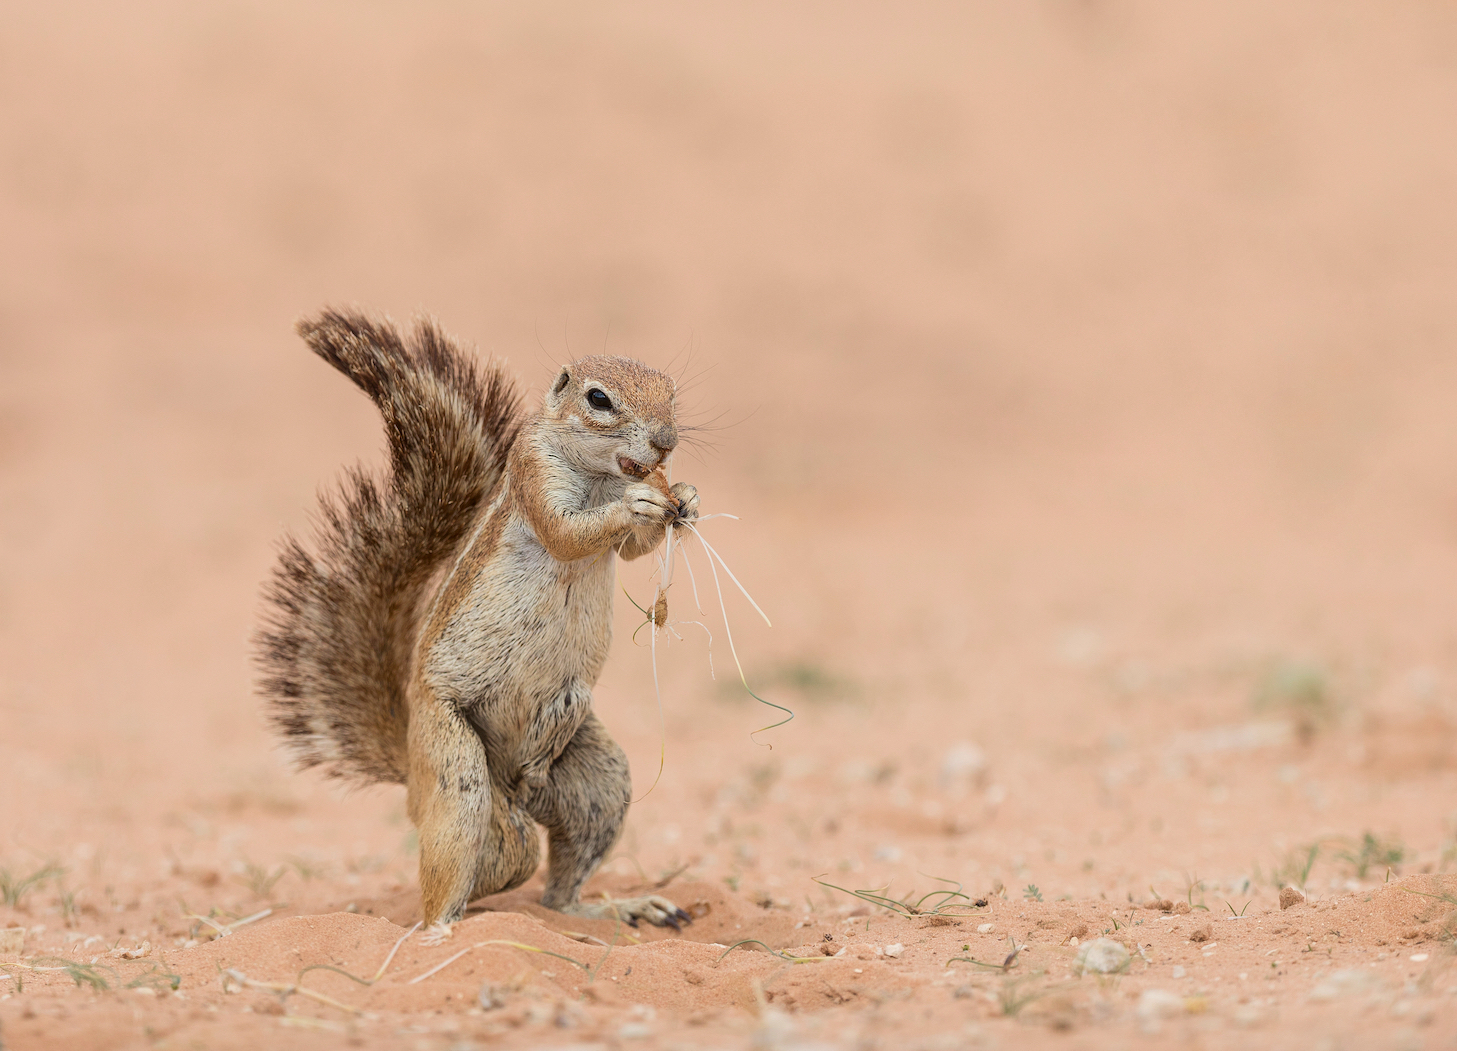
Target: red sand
1087,386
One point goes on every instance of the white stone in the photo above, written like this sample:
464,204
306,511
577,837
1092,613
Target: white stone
1102,956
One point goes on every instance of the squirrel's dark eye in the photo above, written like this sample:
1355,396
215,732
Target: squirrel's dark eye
598,400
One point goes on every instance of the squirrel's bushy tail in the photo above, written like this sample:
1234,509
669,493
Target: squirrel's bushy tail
336,647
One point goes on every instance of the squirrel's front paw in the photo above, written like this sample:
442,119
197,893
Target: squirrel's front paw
687,497
436,934
648,507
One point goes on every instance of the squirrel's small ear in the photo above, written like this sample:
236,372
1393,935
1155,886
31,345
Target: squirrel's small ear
561,383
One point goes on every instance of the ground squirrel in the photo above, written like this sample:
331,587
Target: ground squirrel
449,630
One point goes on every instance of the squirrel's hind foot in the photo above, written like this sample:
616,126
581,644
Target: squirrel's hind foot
657,910
436,934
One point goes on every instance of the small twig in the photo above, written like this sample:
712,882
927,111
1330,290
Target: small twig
249,919
596,968
223,932
305,1022
226,929
774,952
662,882
285,990
979,963
441,966
380,973
495,941
354,977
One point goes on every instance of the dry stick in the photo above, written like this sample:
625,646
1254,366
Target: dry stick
494,941
223,932
354,977
380,973
226,929
249,919
288,990
441,966
774,952
305,1022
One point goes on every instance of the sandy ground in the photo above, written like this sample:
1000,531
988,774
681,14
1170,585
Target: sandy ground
1085,384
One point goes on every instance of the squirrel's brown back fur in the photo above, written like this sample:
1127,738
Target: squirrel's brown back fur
336,649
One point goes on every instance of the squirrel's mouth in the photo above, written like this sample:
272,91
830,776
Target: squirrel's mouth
632,468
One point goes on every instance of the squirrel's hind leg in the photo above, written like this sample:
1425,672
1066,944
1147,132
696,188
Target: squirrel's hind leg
473,842
582,805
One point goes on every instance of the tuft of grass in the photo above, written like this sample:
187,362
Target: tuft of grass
1195,883
14,888
1236,915
947,902
80,973
1294,870
1373,852
1014,995
258,879
1032,893
70,911
1302,690
307,868
157,979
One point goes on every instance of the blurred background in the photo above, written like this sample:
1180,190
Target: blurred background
1082,371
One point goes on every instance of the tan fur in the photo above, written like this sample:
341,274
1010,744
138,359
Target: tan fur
482,706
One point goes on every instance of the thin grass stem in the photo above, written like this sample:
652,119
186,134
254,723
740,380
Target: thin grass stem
723,608
709,548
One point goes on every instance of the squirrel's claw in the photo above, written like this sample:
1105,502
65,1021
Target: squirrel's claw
658,911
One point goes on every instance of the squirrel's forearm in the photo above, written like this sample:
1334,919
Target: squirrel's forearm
570,535
547,494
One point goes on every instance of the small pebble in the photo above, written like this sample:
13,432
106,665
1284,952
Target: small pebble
1157,1004
984,928
1420,957
1102,956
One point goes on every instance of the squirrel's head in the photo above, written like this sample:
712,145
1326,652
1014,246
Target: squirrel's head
613,416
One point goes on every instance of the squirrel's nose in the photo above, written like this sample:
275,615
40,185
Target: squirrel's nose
664,439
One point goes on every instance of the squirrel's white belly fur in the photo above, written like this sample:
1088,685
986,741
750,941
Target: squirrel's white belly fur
530,628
